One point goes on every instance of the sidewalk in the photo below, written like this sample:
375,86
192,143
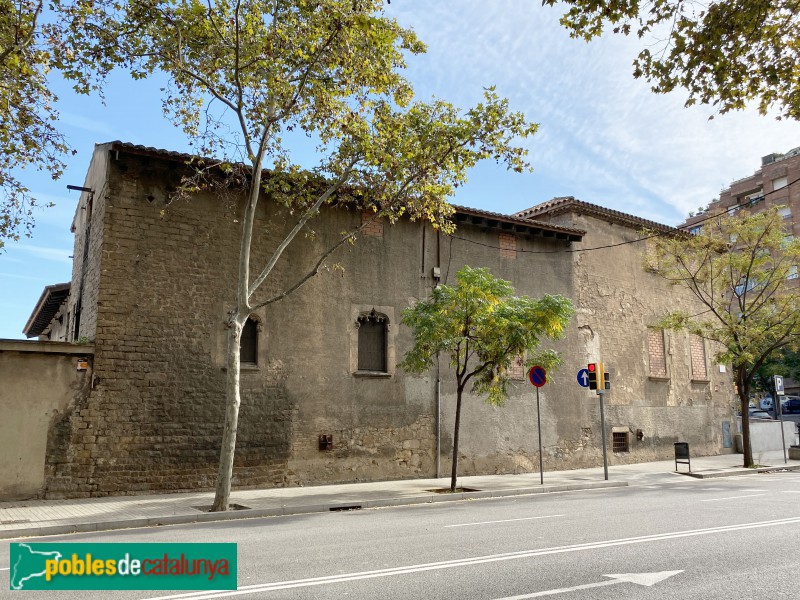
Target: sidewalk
51,517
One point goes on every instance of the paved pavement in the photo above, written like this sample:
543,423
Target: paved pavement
51,517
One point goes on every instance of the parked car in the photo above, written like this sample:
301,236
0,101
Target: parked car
759,414
766,403
791,405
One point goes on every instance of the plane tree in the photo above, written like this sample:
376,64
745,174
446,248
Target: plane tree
482,327
245,76
28,133
724,53
742,270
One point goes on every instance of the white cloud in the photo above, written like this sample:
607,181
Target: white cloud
604,136
59,254
90,124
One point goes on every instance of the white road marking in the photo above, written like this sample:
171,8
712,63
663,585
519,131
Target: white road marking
791,491
731,498
477,560
647,579
5,568
504,521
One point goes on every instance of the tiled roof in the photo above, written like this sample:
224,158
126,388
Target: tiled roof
464,214
564,204
149,151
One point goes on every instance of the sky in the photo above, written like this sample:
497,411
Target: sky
603,136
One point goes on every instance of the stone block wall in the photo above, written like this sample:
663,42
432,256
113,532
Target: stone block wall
161,280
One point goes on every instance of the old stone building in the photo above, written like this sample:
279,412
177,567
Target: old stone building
152,283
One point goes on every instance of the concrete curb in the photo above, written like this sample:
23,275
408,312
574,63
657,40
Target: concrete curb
258,513
742,471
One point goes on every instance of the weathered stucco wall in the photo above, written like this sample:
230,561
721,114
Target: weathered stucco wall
616,301
40,383
153,419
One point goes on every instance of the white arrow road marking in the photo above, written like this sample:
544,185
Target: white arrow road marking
504,521
477,560
647,579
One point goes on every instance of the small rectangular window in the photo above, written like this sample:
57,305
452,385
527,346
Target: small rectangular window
698,351
619,441
779,183
657,353
785,212
517,370
508,246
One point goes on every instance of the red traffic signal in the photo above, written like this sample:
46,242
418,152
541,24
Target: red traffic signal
592,369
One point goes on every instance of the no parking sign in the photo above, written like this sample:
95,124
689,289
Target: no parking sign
538,376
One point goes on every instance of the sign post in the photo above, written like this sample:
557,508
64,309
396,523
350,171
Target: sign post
538,377
601,393
600,381
777,380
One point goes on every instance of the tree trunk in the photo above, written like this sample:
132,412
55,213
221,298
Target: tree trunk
233,397
454,471
747,450
744,400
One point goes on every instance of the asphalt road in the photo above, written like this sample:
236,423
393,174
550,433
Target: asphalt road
665,537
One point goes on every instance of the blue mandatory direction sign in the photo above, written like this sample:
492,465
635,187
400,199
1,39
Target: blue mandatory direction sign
538,376
583,378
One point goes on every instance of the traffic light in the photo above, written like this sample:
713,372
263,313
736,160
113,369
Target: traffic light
592,368
604,377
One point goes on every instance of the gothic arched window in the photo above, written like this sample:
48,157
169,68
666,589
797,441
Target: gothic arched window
372,329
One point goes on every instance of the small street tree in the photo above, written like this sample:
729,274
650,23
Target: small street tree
245,75
482,327
724,53
743,270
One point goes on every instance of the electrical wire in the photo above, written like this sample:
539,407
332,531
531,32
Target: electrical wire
636,241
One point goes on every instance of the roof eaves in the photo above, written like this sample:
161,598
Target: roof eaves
513,224
558,206
46,308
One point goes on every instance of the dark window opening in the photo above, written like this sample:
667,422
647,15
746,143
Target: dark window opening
77,322
372,329
620,441
248,345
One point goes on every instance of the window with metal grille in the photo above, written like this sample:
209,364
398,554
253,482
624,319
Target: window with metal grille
372,342
248,345
619,441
